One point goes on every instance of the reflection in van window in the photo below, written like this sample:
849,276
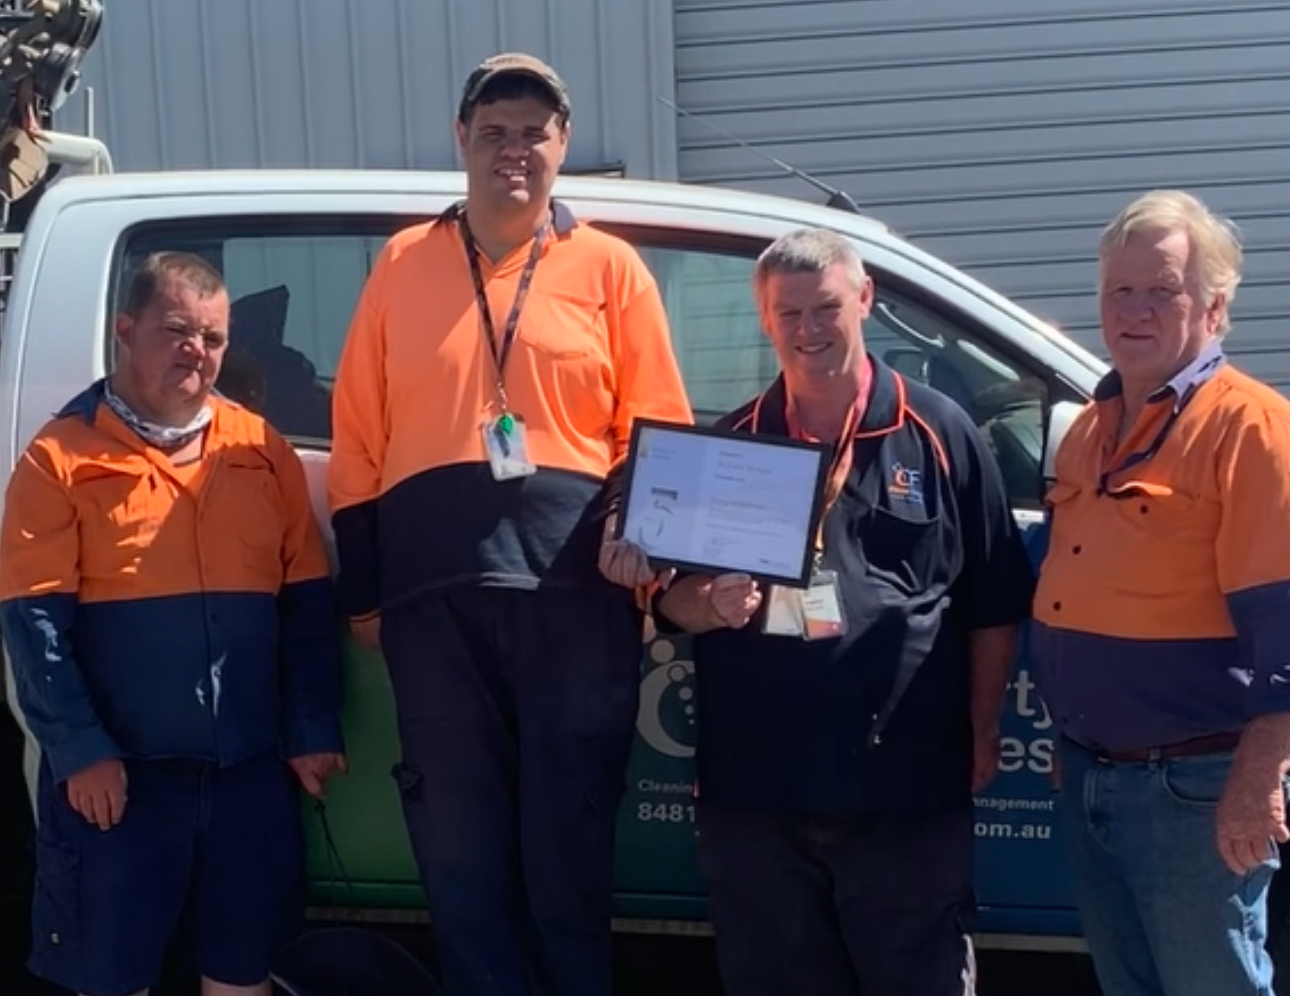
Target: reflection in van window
293,287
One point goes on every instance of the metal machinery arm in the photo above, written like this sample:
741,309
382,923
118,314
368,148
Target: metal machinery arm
42,43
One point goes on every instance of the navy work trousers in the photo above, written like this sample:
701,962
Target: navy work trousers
516,713
840,905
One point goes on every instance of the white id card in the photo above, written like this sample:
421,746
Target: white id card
785,615
506,444
814,614
822,607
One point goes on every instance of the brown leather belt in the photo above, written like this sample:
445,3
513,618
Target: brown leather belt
1214,743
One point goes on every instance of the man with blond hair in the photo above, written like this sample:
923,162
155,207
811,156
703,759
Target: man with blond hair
1161,625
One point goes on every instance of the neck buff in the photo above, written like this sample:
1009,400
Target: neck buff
163,437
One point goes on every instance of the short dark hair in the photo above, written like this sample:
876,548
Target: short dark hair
159,267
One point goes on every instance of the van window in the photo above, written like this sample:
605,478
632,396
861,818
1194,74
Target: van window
294,284
706,281
724,357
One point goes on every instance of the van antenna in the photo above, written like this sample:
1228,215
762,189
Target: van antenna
838,199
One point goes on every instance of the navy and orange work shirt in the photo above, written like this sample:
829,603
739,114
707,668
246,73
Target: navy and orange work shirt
153,612
926,550
415,507
1163,607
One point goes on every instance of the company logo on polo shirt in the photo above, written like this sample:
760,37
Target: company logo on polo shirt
905,484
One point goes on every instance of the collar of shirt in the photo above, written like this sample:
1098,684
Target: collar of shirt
1196,373
563,219
1143,441
91,406
884,410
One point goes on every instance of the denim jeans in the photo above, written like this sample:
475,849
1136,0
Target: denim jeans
1162,913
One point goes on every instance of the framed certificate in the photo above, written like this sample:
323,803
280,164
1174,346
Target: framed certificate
721,502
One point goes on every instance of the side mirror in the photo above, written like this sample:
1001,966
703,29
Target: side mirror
1060,417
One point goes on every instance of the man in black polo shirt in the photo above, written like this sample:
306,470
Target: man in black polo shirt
836,774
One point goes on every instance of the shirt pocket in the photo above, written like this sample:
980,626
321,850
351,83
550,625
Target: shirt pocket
901,553
570,362
121,514
1137,500
1166,534
565,327
250,510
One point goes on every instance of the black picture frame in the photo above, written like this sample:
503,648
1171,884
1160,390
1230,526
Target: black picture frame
823,452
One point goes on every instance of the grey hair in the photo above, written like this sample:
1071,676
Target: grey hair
807,250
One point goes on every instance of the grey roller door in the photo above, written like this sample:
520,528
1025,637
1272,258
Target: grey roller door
1002,134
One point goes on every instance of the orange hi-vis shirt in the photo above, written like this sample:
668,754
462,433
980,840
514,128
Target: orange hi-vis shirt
414,503
155,612
1163,606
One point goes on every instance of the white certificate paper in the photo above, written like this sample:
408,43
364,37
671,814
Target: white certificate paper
724,502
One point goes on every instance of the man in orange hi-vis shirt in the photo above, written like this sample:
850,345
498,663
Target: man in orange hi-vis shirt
484,400
1162,628
170,620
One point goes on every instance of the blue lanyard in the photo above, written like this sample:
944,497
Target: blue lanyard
1143,455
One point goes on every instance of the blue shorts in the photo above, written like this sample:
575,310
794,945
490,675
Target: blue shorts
220,847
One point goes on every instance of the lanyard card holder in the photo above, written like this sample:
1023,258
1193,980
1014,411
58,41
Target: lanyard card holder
506,444
813,614
816,613
505,436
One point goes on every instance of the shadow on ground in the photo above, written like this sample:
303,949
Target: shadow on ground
653,966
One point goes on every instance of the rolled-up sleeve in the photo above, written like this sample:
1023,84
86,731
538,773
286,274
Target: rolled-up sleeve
1253,553
39,579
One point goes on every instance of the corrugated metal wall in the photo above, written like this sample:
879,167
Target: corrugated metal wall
285,83
1002,134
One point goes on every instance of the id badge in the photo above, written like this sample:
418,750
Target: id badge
822,608
506,444
785,613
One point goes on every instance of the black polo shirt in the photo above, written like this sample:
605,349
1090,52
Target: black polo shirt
926,549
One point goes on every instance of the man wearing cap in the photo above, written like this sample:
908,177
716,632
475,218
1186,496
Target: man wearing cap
486,393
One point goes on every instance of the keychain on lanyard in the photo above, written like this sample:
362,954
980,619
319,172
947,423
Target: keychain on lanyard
505,436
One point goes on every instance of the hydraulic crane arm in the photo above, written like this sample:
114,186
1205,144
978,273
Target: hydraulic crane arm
42,43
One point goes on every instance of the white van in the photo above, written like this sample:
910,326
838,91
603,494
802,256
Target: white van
295,249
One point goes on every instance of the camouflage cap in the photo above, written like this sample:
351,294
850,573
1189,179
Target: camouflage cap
513,64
